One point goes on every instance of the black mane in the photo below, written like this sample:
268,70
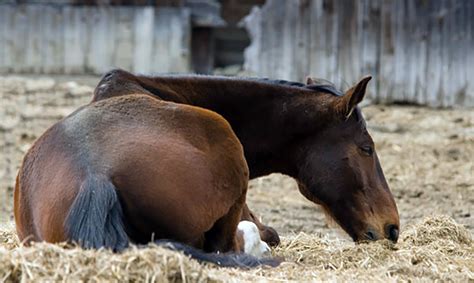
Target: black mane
319,86
327,88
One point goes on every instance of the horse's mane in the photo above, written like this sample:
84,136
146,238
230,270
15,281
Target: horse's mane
319,85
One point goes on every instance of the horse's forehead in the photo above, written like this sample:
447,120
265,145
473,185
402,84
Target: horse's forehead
353,129
360,117
355,125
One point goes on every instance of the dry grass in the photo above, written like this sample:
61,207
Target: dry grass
426,155
435,249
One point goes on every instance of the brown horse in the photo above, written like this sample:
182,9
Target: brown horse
313,133
137,168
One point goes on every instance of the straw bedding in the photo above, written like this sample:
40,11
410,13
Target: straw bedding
436,248
426,155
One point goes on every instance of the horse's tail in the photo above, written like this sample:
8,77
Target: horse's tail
239,260
95,217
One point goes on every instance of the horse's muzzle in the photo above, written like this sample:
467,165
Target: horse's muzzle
391,233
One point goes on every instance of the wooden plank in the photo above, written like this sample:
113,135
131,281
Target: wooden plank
267,51
406,51
401,47
442,68
19,26
332,44
448,36
52,34
74,43
302,42
348,56
419,22
467,98
465,18
266,40
3,24
6,39
283,67
275,38
101,45
160,47
123,37
171,51
318,40
253,25
33,56
387,71
179,39
455,45
370,24
144,19
434,59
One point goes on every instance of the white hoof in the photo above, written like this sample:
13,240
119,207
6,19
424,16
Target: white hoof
253,245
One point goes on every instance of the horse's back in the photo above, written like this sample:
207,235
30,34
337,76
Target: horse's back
167,162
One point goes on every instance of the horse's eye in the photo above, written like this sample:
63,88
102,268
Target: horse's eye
367,150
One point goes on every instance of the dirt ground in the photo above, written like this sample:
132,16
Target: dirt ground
427,156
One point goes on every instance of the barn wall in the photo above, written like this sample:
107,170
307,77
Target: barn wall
61,39
418,51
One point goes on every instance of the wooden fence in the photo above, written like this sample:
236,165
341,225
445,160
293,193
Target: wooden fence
418,51
77,40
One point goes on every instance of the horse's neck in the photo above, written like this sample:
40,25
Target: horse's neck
265,117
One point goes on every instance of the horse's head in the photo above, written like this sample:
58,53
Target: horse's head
339,169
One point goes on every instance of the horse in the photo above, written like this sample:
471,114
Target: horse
311,132
133,169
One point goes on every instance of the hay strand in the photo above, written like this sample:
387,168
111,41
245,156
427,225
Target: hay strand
437,248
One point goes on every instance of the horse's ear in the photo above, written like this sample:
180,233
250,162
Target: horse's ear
309,80
348,102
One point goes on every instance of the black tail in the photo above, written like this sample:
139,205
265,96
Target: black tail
239,260
95,217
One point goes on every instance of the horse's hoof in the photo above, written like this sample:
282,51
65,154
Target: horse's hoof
270,236
253,245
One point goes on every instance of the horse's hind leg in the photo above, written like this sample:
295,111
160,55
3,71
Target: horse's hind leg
222,236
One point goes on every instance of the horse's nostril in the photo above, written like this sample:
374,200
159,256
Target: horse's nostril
392,232
371,236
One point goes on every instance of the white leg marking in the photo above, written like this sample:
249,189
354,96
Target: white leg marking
253,245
